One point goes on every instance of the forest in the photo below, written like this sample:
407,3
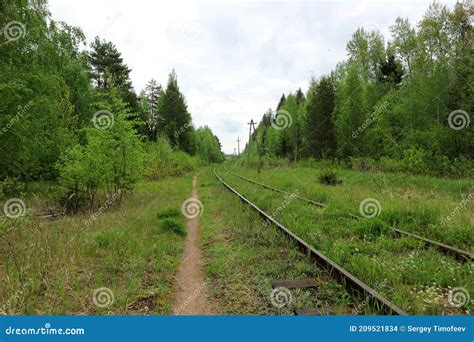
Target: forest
70,115
401,104
352,196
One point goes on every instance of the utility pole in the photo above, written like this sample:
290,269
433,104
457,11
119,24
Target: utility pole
238,146
250,140
252,125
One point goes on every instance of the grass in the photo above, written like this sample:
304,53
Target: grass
243,256
53,267
368,248
168,213
174,226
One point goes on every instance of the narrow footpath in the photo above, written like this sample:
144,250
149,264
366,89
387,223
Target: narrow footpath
191,297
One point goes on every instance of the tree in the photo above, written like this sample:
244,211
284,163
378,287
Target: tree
208,146
174,119
281,102
299,96
152,93
319,122
109,70
112,158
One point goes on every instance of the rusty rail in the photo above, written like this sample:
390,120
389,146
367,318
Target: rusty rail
458,253
354,285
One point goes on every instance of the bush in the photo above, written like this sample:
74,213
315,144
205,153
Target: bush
173,226
329,177
112,160
167,213
415,161
363,164
165,161
11,187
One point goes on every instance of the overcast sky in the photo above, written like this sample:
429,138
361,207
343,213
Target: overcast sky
233,59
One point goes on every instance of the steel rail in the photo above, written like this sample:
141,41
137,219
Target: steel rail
354,285
459,254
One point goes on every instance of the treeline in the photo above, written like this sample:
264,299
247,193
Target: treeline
69,113
400,105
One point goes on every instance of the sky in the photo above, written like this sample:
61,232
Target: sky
234,59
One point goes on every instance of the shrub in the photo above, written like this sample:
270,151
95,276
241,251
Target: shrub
167,213
111,160
174,226
415,161
329,177
11,187
165,161
363,164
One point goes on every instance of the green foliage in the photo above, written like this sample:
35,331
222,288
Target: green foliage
168,213
11,187
388,106
164,161
329,177
174,226
112,160
370,229
319,128
208,146
174,120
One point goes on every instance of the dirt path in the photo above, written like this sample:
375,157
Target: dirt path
191,298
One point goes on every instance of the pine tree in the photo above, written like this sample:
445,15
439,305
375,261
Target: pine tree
299,97
174,120
282,101
108,69
319,121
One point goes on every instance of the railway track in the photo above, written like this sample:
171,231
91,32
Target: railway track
459,254
354,285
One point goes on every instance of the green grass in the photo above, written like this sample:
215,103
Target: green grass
174,226
368,248
243,256
168,213
53,267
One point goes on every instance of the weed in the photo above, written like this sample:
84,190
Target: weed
329,177
168,213
174,226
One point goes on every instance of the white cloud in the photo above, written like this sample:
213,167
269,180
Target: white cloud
233,59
